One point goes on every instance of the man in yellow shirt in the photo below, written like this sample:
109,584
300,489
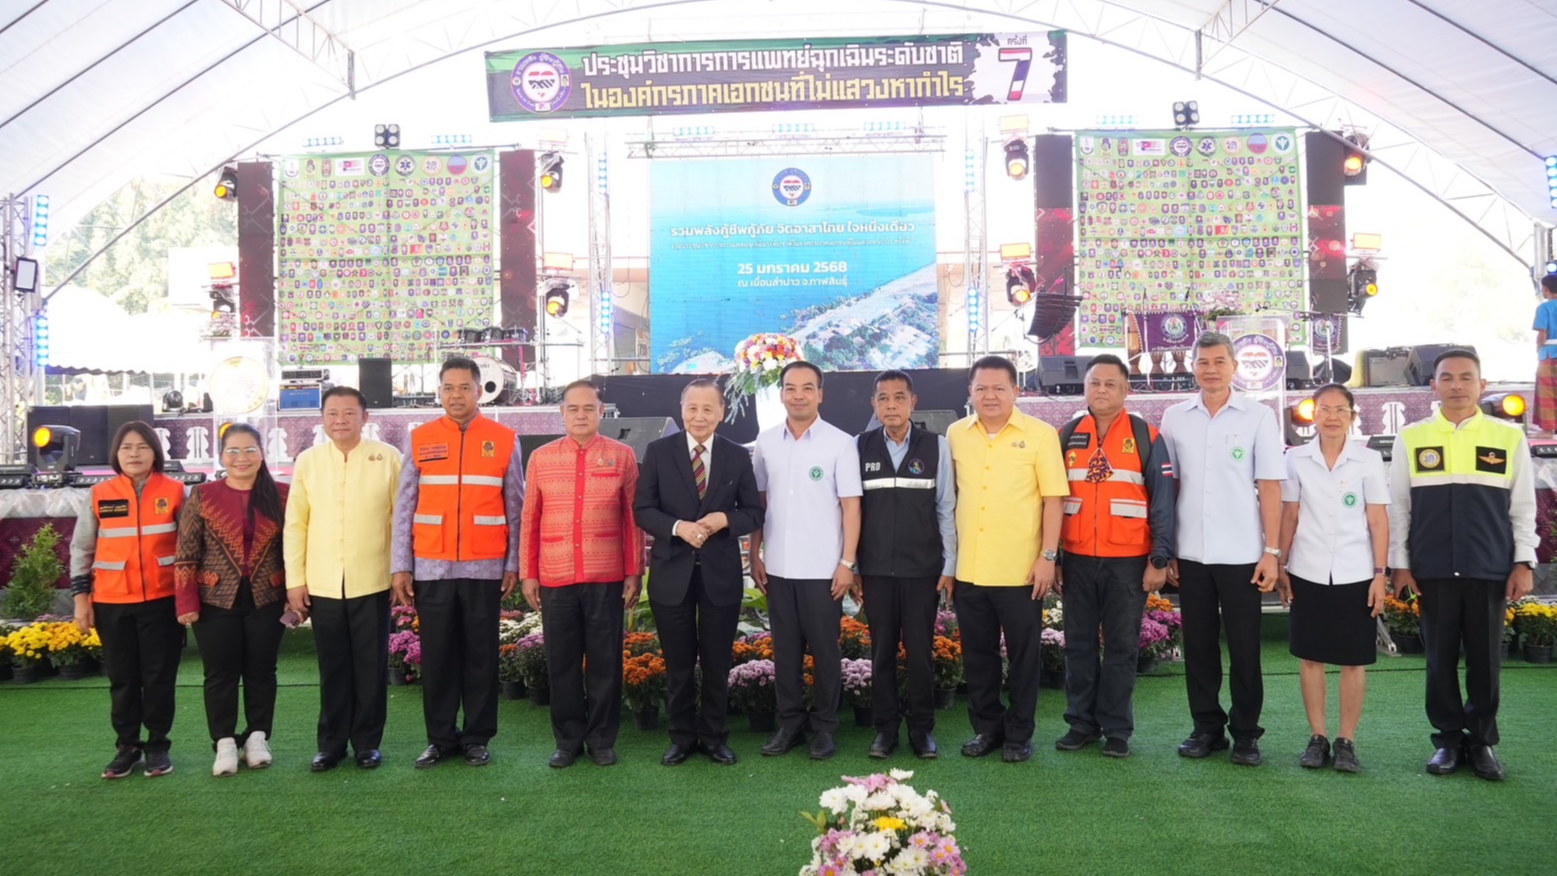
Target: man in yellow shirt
1011,486
336,542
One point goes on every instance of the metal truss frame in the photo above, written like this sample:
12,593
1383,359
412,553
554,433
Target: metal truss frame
290,24
975,240
602,334
18,367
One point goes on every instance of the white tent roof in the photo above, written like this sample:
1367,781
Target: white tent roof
96,92
89,332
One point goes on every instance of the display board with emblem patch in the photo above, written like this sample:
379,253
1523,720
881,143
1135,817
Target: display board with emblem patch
385,254
1167,219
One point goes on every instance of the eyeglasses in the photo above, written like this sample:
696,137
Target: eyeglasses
235,452
1339,412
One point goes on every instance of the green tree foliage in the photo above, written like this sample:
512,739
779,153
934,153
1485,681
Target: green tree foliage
134,271
34,577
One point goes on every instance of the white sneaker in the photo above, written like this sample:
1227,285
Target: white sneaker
256,751
226,757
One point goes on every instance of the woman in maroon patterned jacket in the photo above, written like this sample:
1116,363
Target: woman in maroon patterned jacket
229,580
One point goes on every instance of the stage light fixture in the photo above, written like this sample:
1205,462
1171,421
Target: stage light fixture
1016,157
1303,412
40,221
551,172
386,136
223,298
26,275
55,447
1186,113
1362,285
1354,168
172,402
556,298
40,340
1507,406
227,184
1551,180
1020,285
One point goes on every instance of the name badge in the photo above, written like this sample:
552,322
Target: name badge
110,508
432,452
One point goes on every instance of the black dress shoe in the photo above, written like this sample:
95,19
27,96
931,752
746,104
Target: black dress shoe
781,742
1076,740
1485,762
432,756
603,756
1246,752
325,761
1317,754
823,746
1444,761
476,754
1016,752
982,744
923,745
369,759
883,745
721,754
676,754
1200,745
562,758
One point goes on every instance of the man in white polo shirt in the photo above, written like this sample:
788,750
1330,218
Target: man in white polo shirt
808,472
1229,458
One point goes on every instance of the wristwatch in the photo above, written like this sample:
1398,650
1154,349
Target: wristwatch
1051,556
1159,562
850,565
1275,552
1527,564
1378,570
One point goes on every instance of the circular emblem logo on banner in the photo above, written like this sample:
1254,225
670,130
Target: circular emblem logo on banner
479,163
1175,329
1180,146
1257,144
405,165
456,164
1262,364
1206,146
1232,145
378,165
541,82
1282,142
791,187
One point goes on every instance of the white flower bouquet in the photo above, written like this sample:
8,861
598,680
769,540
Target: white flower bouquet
878,826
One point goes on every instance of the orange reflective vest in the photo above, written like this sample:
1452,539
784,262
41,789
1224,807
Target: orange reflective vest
1109,518
137,537
460,514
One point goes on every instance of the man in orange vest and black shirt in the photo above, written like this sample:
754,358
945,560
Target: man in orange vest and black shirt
456,536
1118,539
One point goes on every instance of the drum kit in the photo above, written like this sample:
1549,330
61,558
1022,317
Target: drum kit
499,383
492,335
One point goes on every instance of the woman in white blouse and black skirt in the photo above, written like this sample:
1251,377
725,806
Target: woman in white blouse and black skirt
1335,536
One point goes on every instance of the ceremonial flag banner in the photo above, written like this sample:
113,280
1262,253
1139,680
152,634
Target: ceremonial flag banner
1197,220
762,75
382,255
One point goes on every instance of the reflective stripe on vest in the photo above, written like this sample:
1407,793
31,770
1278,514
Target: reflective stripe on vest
900,484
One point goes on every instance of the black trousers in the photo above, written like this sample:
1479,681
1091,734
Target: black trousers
902,610
582,624
803,614
142,643
1213,599
240,643
691,632
1106,593
351,637
1467,611
459,658
982,613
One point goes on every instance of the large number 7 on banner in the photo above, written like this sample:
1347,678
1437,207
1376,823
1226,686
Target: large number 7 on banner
1023,56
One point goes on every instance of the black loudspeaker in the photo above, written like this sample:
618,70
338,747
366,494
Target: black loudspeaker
1332,370
935,421
1062,375
1328,296
637,432
528,444
375,383
1384,367
1299,374
1419,365
1054,160
1324,174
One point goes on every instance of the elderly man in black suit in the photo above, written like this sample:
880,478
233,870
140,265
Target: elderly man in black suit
697,496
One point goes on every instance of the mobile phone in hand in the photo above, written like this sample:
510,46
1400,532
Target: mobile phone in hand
289,619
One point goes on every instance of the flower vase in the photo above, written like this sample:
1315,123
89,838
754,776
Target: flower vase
27,674
1407,643
513,690
945,697
864,716
5,671
1538,653
1503,650
646,718
540,696
769,407
1146,664
72,671
397,677
762,722
1053,679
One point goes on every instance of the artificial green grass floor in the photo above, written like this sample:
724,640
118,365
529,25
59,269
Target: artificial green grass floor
1073,813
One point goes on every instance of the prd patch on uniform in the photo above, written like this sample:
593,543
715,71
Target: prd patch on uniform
431,452
1079,440
1429,459
916,466
110,508
160,507
1492,460
1129,445
816,472
488,449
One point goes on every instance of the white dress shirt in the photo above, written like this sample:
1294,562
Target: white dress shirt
1217,460
804,479
1332,544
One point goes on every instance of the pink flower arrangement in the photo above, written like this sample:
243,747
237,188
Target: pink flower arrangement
405,654
752,687
1155,638
877,825
857,681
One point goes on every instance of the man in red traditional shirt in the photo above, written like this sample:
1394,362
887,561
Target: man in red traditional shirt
582,564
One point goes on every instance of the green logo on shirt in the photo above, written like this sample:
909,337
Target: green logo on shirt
1238,453
816,472
1349,500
